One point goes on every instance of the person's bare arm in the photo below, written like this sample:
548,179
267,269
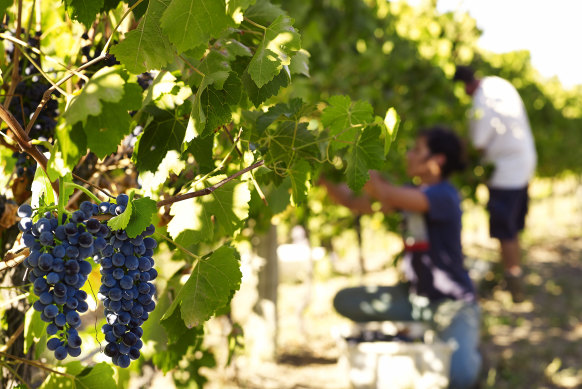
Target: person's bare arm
343,195
391,196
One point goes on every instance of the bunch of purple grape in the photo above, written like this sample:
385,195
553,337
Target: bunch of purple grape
58,270
126,290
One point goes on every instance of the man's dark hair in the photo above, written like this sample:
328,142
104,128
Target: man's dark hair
464,73
442,140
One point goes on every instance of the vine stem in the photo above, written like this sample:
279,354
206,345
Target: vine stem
253,179
13,338
93,186
106,47
37,364
24,141
84,190
12,39
13,259
192,66
61,209
15,77
14,373
210,189
255,24
196,257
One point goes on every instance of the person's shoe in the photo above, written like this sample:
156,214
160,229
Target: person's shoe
514,285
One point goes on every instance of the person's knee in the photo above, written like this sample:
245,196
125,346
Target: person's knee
343,301
465,369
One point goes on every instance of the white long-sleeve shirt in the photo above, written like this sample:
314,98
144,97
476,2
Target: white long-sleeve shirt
500,127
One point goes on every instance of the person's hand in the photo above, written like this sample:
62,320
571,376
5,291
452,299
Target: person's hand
375,177
375,183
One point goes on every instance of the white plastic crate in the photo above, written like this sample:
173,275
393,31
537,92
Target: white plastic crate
396,364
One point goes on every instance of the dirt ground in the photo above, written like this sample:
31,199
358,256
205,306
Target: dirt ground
534,344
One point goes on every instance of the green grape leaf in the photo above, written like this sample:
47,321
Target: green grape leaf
367,153
300,174
278,198
201,149
120,222
41,187
143,210
209,287
106,85
216,105
56,166
390,129
34,329
140,10
109,5
220,213
169,358
212,107
174,325
300,63
279,43
84,11
286,111
99,376
215,69
341,115
105,131
264,12
167,92
191,23
166,132
73,143
259,95
237,49
3,5
235,8
290,141
146,47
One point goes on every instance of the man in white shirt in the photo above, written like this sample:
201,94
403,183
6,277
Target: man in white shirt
499,127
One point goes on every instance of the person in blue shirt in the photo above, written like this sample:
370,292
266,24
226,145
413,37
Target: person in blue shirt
439,289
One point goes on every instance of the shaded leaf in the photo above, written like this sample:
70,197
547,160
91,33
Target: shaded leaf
191,23
367,153
73,143
341,116
390,130
279,43
143,210
208,288
201,149
166,132
105,85
300,63
260,95
300,174
146,47
84,11
99,376
212,107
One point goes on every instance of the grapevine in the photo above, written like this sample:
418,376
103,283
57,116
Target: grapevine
210,127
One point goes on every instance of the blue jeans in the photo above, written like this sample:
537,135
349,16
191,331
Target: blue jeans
455,321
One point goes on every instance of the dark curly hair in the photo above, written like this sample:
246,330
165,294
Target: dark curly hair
442,140
464,73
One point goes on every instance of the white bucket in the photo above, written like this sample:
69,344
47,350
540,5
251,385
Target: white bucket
397,364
